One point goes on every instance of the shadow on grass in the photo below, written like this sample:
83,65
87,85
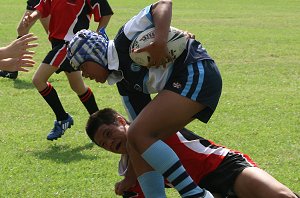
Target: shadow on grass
65,154
23,84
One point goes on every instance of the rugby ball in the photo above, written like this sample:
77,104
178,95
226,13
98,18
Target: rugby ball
176,45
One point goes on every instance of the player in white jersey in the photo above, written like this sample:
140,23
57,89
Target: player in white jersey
223,171
191,89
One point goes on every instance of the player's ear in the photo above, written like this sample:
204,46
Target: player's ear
121,120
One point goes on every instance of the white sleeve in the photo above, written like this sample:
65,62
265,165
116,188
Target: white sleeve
123,164
139,23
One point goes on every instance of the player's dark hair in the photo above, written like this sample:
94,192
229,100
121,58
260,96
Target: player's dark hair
105,116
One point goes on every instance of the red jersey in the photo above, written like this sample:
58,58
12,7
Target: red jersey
70,16
192,149
199,157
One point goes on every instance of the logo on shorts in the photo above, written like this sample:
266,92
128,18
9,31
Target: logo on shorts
176,85
135,67
137,87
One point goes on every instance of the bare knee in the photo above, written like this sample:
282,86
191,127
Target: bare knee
78,86
37,82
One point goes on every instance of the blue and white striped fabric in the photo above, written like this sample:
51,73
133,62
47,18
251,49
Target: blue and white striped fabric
139,23
87,45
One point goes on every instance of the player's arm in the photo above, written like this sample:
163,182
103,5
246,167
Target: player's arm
29,19
103,22
128,182
161,13
102,7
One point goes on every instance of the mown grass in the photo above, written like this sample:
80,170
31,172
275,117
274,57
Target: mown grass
256,45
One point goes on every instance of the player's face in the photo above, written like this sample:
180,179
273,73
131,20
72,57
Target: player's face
112,138
94,71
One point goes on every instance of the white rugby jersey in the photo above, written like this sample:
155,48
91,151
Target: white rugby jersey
135,82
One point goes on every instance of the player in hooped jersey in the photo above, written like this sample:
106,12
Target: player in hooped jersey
223,171
66,18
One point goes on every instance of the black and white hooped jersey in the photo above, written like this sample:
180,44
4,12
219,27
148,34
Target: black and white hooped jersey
135,82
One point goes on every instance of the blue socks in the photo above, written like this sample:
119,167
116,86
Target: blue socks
164,160
152,184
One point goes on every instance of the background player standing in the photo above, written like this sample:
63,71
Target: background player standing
67,17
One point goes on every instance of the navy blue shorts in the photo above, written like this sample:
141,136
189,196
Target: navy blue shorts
200,81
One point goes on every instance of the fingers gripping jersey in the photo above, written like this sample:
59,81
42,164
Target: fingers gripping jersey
70,16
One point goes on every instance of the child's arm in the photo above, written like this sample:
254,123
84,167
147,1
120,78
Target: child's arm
29,19
103,22
129,181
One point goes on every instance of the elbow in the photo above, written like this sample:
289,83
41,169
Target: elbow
166,1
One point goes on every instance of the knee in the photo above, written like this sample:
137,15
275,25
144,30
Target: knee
285,193
78,88
36,81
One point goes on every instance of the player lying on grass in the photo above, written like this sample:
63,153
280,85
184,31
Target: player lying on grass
16,55
222,171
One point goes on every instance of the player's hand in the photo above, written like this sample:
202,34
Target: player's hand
159,54
189,35
18,64
124,185
20,46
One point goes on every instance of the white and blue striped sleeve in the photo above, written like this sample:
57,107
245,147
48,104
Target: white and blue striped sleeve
139,23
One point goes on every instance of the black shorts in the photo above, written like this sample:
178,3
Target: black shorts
31,4
221,180
57,57
200,81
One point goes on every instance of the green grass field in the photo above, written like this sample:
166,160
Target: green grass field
256,45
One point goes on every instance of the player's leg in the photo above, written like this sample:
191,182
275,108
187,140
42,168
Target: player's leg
163,116
84,93
188,89
254,182
63,119
48,92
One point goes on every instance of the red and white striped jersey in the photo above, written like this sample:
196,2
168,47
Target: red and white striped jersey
198,155
70,16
